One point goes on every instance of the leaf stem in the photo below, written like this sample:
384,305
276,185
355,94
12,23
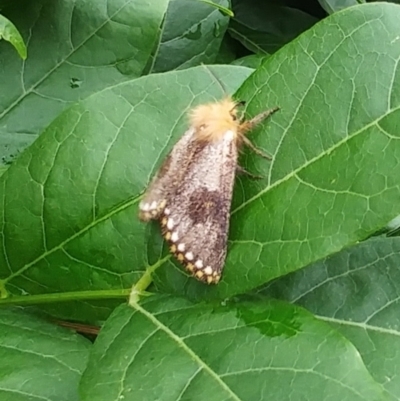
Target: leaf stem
143,283
224,10
64,297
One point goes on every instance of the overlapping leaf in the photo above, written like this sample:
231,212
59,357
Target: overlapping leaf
333,179
75,49
39,361
90,46
74,227
357,292
265,350
192,40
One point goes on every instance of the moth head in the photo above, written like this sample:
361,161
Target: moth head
211,121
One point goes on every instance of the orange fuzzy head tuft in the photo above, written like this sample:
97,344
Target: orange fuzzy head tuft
211,121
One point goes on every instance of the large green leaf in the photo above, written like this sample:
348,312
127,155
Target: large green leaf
167,349
357,291
192,40
39,361
334,177
75,49
69,203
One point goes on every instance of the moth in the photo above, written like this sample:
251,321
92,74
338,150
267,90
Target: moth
191,193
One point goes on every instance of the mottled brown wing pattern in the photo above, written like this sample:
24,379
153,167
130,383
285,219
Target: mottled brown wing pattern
191,193
195,220
168,177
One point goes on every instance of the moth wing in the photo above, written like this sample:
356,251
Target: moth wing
167,178
195,221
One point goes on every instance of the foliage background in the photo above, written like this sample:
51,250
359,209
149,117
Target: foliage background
93,95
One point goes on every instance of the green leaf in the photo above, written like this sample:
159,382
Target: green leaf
75,50
263,27
39,361
76,235
332,182
194,39
357,292
10,33
332,6
240,351
334,177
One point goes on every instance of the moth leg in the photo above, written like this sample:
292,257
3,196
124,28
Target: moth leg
242,170
250,124
257,151
260,117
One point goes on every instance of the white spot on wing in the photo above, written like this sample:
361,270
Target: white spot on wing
170,224
174,236
153,205
208,270
189,255
181,247
199,264
144,206
167,211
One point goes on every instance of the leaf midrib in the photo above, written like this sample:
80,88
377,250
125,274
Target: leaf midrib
359,325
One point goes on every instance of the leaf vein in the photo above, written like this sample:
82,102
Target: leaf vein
295,371
188,350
